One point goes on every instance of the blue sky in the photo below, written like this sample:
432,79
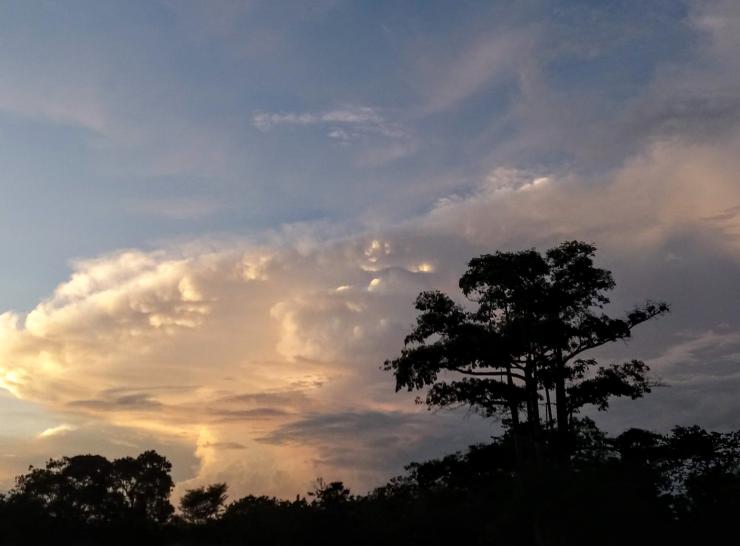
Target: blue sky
123,123
231,204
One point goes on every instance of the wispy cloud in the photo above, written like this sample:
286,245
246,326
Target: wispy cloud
179,208
458,73
54,431
343,124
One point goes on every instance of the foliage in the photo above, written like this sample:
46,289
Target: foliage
522,346
677,488
329,496
204,503
145,484
92,489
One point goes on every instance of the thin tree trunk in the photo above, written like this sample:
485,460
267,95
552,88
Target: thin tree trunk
514,410
533,414
562,409
513,406
533,398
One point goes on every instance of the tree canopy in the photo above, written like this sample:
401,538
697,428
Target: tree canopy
519,348
90,488
203,503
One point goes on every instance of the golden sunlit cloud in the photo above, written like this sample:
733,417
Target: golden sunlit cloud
54,431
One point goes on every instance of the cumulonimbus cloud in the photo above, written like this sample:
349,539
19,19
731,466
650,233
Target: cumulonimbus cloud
261,344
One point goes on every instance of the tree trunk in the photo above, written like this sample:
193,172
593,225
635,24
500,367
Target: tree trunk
533,415
514,410
513,406
562,409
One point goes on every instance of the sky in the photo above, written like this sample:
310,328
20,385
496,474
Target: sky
215,215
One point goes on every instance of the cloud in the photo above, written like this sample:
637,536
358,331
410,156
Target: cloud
54,431
343,124
394,437
377,140
179,208
554,92
198,342
246,28
363,117
457,73
227,445
18,451
77,105
275,343
138,401
256,360
109,88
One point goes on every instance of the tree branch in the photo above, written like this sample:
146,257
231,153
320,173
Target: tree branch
488,374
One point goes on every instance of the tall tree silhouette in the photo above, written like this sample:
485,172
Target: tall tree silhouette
522,346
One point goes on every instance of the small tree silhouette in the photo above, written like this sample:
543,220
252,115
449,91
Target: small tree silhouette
329,496
203,503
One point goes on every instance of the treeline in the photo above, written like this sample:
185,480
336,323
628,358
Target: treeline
637,488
